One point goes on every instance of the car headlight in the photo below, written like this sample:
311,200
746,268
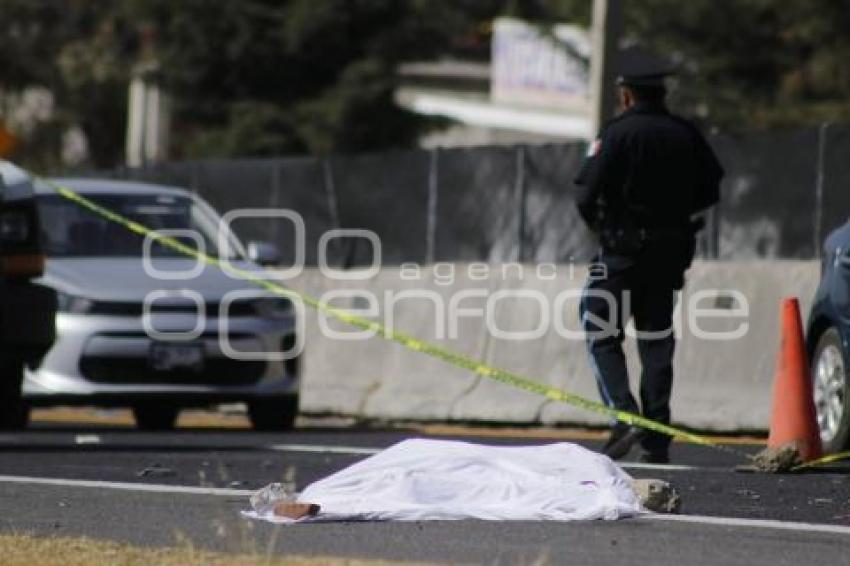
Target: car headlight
14,226
273,307
73,304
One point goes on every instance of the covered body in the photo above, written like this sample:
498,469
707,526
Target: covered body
420,479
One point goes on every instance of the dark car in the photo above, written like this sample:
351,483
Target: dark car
27,309
828,332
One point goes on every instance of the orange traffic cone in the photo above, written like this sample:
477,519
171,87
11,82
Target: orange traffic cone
793,419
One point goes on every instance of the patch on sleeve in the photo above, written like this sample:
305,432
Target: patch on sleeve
593,148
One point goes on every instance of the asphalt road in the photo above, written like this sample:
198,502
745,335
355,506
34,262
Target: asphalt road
110,483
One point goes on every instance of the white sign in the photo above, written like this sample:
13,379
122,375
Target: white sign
540,66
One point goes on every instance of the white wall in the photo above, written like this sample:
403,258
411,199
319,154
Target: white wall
719,385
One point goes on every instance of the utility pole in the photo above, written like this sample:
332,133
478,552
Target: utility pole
606,27
148,108
148,118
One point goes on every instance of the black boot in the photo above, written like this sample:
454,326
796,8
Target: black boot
622,438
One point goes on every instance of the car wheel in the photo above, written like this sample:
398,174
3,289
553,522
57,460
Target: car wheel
155,417
14,413
274,414
830,390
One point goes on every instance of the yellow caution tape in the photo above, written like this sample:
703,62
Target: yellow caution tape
448,356
828,459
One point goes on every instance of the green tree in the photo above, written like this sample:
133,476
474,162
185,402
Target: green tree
259,78
752,63
266,77
73,51
249,77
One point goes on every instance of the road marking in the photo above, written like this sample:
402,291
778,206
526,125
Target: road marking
665,467
129,486
324,449
750,523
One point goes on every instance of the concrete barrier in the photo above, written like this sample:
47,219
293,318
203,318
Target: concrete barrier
719,385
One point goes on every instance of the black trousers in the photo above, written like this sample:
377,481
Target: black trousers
643,287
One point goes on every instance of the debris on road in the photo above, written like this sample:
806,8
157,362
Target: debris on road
266,499
748,493
775,460
156,471
657,495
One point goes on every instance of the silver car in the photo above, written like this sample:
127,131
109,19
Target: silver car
143,326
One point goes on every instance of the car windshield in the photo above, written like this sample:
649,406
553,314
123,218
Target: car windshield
69,230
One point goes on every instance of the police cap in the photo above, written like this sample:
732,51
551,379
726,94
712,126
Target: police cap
638,67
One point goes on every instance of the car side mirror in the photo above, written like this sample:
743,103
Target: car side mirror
263,253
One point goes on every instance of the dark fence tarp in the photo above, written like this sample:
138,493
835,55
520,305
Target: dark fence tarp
176,174
552,229
835,184
767,206
300,186
387,194
782,194
478,205
239,184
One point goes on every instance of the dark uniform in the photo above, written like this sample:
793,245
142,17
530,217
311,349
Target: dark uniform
644,178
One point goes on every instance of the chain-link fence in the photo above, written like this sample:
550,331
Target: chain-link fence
783,192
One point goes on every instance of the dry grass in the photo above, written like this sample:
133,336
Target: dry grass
92,417
25,550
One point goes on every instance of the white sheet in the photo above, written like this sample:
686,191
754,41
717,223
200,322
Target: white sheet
417,480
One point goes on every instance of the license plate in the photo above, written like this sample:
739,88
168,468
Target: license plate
168,357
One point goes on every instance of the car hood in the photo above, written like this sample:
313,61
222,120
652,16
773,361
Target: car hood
126,280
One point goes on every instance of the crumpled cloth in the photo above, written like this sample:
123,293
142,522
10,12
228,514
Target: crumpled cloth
420,480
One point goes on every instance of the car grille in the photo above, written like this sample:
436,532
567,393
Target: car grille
217,371
211,310
136,369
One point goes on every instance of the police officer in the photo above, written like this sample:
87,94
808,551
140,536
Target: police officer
645,178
